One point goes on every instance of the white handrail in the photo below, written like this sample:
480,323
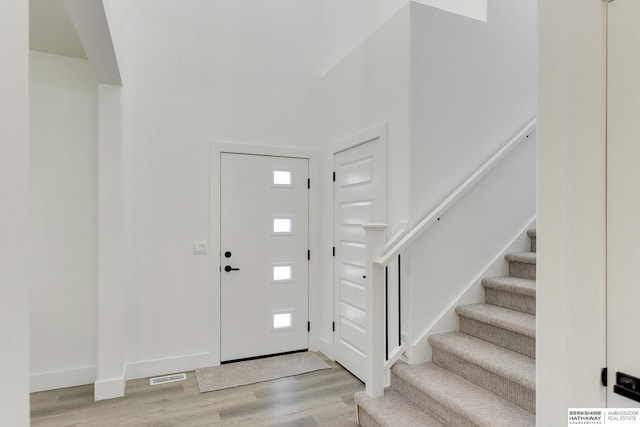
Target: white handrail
396,237
436,213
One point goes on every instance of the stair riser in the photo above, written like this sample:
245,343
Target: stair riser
522,270
510,300
502,337
367,420
446,415
392,409
509,390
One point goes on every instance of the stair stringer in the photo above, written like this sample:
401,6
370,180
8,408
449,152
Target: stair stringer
448,321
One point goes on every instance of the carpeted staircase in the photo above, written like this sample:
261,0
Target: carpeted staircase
483,375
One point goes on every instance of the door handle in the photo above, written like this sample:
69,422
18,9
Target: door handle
627,386
228,268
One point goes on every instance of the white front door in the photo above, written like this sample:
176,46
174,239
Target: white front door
359,198
264,242
623,197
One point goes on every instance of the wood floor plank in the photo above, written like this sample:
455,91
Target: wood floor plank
320,398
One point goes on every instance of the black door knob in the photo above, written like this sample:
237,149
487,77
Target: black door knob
227,254
228,268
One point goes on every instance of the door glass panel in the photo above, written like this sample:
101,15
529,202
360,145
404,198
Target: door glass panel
282,320
282,178
282,272
282,225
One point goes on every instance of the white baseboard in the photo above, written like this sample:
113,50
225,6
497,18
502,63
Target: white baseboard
325,347
109,388
170,365
52,380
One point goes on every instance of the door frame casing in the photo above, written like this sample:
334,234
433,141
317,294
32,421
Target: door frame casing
571,218
216,150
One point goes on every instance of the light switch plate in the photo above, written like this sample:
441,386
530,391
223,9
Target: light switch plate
199,247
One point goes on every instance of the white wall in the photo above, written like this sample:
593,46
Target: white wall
243,71
453,90
111,316
571,208
195,72
63,179
343,26
473,88
367,88
476,9
15,255
449,257
209,72
346,25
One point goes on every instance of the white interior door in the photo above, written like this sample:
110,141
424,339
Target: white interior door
359,198
264,274
623,197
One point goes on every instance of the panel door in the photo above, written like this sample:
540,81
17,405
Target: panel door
359,198
264,271
623,197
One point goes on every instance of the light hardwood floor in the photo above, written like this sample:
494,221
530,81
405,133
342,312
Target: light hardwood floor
321,398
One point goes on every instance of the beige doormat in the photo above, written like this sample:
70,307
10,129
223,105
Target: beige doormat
258,370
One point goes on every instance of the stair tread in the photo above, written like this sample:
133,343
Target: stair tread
514,321
513,366
480,406
531,233
516,285
523,257
393,409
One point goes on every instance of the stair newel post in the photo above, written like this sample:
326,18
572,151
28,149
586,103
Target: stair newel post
375,310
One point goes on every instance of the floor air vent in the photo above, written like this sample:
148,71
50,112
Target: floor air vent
167,379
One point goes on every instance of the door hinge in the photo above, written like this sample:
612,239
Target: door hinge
308,326
603,377
333,326
334,251
308,254
308,182
334,177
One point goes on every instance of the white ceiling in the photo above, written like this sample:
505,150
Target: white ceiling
51,29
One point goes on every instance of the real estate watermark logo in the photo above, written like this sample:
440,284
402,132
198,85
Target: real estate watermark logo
617,417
